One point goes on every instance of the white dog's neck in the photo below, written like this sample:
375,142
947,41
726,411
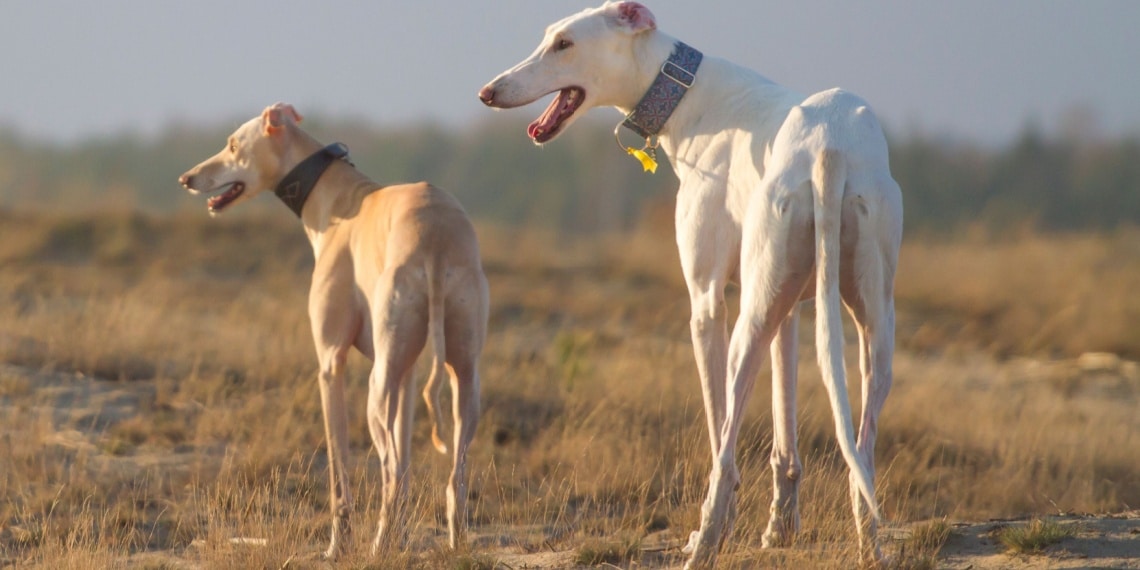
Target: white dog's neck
707,107
650,50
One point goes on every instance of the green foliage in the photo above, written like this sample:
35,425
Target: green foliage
582,183
1036,182
573,354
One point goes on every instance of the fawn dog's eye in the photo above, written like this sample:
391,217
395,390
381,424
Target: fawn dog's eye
563,44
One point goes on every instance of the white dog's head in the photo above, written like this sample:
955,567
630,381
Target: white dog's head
250,162
588,58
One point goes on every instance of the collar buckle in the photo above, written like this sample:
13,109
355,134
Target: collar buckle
678,74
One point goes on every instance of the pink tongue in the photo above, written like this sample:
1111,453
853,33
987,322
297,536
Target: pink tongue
224,197
548,118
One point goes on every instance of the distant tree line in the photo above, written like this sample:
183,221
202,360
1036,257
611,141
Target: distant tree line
582,183
1051,184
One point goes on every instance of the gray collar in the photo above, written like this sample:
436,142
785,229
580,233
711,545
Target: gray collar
295,188
674,80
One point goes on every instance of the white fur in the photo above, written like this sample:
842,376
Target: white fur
770,183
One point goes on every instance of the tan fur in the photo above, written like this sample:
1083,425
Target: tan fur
393,266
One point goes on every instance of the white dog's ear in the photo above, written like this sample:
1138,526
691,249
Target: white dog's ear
277,115
631,16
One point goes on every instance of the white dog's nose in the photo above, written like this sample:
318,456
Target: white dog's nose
487,95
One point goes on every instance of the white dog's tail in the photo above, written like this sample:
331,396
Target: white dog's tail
439,350
829,176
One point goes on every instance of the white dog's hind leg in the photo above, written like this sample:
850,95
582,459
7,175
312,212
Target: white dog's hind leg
875,229
829,179
876,339
784,513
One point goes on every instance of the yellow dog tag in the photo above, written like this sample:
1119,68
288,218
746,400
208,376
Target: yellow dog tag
646,155
647,161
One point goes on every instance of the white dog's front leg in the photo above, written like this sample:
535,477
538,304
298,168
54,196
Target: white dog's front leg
709,251
874,237
708,327
702,228
772,281
709,331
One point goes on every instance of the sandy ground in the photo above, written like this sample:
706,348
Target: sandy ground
1106,541
81,408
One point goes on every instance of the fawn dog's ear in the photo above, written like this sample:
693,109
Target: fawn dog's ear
277,115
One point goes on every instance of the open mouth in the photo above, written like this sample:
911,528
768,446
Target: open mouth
548,125
232,191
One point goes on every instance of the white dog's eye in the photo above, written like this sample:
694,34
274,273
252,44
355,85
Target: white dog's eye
563,44
233,147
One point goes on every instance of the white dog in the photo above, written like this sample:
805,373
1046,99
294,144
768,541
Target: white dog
802,186
394,265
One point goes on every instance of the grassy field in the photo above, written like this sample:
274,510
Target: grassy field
158,399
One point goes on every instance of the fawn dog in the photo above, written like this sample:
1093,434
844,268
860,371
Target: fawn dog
394,266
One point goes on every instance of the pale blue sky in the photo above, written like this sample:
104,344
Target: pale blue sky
974,69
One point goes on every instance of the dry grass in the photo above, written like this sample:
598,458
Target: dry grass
920,550
1030,294
592,433
1034,536
595,552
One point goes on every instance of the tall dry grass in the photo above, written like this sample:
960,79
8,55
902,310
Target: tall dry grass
1024,293
592,430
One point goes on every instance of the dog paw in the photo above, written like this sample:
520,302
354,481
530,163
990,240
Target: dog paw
692,545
